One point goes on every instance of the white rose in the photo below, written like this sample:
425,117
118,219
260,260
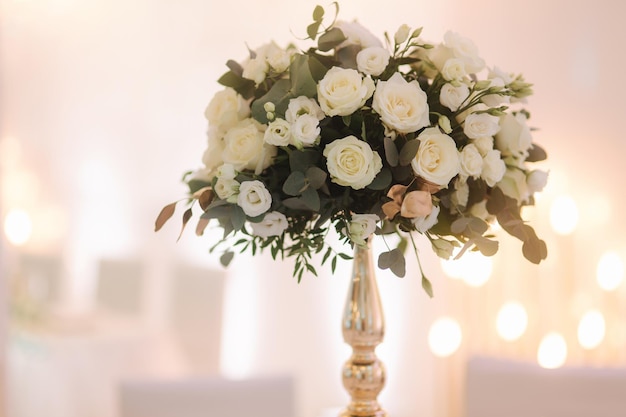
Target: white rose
277,58
255,69
464,49
361,227
372,60
402,106
453,69
303,105
437,158
212,156
460,196
227,171
356,34
274,223
514,185
423,224
493,168
480,210
342,91
471,161
351,162
305,131
514,137
480,124
484,144
254,198
244,147
453,96
278,133
536,180
227,189
226,108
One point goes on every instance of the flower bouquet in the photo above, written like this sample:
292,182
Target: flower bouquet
402,138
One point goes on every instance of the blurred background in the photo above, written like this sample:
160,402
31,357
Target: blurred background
101,113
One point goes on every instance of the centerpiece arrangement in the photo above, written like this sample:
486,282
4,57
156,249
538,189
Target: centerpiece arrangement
399,137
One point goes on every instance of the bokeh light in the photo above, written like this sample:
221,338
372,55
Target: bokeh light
511,321
552,351
473,268
610,271
18,227
444,337
564,215
591,329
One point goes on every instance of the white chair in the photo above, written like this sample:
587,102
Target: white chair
196,304
500,388
204,397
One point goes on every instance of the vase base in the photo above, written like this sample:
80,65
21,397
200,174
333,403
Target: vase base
348,413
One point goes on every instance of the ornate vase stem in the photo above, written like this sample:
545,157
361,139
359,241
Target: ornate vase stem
363,329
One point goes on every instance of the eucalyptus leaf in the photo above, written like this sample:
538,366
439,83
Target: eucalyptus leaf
330,39
303,160
394,260
381,181
311,199
279,94
391,152
316,176
486,246
408,151
226,258
295,183
237,217
243,86
166,213
302,82
427,286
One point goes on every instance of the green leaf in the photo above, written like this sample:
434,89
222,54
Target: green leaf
330,39
302,160
443,248
226,258
311,199
295,183
295,203
408,151
312,29
302,82
238,217
391,152
535,250
318,13
427,286
317,69
486,246
381,181
316,176
243,86
394,260
279,94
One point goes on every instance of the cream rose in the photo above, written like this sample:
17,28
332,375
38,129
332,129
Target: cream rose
453,69
212,156
464,49
484,144
274,223
471,162
256,69
305,131
342,91
372,60
226,108
493,168
437,158
460,196
514,137
514,185
227,189
278,133
453,96
361,227
536,181
423,224
351,162
356,34
303,105
277,58
402,106
254,198
477,125
244,147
